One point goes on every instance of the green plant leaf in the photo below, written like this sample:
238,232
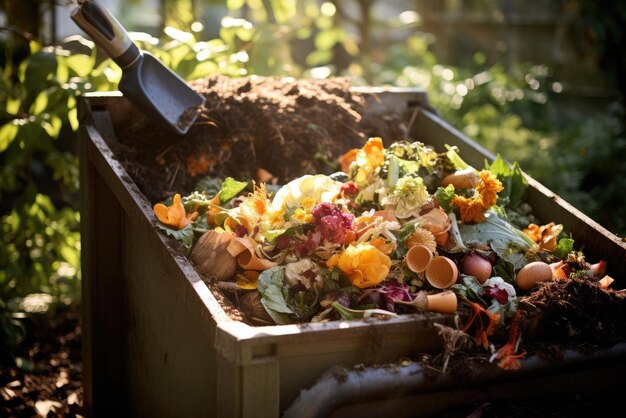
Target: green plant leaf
8,132
235,4
326,39
231,188
202,69
270,285
53,126
40,103
80,64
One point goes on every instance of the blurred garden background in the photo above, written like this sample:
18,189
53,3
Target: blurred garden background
542,83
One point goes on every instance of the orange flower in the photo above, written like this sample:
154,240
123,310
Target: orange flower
506,354
365,265
346,159
484,322
247,280
257,201
174,215
198,165
546,236
471,209
488,188
383,246
214,209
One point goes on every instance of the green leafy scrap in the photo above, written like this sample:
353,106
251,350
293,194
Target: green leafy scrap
270,286
507,241
444,196
231,188
185,235
512,180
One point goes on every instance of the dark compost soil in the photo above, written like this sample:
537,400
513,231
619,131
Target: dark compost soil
287,127
43,377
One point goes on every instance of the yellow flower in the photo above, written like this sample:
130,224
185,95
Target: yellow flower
408,197
174,215
305,192
363,264
369,158
254,208
302,215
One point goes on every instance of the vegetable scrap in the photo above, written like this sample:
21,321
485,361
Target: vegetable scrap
402,229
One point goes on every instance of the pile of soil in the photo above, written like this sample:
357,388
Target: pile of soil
287,127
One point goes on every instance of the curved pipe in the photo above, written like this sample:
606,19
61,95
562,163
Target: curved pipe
340,387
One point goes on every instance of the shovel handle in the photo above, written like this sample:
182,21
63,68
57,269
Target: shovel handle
106,31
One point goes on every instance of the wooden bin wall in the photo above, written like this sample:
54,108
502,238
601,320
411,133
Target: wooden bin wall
157,343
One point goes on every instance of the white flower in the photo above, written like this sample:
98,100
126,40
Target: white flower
408,197
306,192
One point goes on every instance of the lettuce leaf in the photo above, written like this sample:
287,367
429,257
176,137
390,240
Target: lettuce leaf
444,196
185,235
270,285
564,247
231,188
512,180
507,241
455,158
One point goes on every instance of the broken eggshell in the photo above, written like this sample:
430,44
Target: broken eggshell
442,302
442,272
418,258
437,221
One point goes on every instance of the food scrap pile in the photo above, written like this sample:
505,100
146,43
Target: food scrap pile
386,228
397,230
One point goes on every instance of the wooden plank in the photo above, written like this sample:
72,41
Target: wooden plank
103,309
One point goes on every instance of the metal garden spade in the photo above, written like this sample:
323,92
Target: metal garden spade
151,86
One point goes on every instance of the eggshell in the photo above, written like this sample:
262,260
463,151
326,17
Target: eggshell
532,274
443,302
442,272
418,258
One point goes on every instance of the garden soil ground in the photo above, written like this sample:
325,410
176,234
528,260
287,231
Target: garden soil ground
289,128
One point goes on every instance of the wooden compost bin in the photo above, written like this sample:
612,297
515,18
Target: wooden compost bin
158,344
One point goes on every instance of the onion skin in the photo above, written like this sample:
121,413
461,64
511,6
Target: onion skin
475,265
